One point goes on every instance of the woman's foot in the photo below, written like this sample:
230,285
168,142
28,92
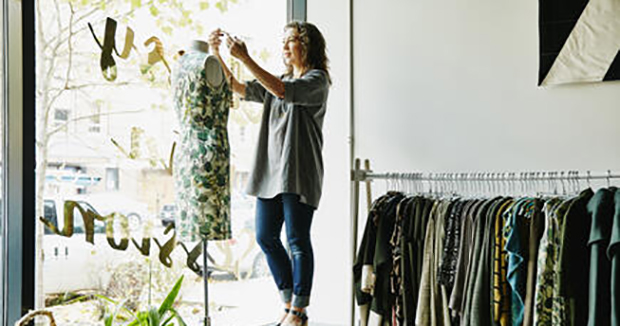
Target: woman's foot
296,317
283,317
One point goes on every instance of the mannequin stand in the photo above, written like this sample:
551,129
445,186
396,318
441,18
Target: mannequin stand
205,277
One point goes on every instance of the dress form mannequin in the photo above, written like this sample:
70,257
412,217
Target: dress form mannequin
202,99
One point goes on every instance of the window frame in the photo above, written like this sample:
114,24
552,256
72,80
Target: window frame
296,10
19,160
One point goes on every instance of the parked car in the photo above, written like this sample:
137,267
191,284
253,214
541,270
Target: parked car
71,263
167,214
240,256
91,265
113,202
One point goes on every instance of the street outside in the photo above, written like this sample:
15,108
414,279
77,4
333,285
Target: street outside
240,291
236,303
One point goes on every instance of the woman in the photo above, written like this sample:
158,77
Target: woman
288,169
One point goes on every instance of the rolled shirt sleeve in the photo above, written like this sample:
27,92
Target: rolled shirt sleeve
254,91
309,90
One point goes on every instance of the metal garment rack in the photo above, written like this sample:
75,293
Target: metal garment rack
366,175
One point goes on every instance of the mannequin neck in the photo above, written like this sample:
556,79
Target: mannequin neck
198,46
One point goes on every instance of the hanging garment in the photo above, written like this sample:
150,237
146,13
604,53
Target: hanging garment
501,289
457,297
414,235
573,261
383,300
432,307
537,227
447,268
543,298
479,223
201,161
480,313
399,260
363,272
479,280
602,209
517,234
375,256
614,255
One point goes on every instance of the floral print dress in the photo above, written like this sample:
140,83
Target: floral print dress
201,160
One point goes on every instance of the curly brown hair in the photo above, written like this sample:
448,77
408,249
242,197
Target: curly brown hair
313,48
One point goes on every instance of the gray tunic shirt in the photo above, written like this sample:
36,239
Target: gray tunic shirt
289,152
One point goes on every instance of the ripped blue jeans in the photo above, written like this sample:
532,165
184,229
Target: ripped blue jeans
294,279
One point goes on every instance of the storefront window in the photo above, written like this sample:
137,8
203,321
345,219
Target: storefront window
104,141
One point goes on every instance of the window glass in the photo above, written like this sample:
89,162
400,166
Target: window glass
105,137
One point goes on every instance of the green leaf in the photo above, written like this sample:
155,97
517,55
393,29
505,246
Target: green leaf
119,306
154,11
141,319
144,68
135,322
178,317
102,297
204,5
136,4
221,6
154,317
167,320
200,30
167,304
167,30
117,309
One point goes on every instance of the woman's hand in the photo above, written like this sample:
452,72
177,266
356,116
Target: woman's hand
237,48
215,41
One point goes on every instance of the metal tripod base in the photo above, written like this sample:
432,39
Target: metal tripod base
205,277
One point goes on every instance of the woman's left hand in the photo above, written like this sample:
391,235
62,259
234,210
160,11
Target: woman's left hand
237,48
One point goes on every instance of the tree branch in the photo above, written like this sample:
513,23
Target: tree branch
57,6
40,25
70,45
60,34
85,117
82,86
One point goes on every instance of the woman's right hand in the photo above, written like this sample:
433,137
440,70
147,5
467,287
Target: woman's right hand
215,41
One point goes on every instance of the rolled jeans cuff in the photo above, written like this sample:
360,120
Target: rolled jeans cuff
286,295
301,301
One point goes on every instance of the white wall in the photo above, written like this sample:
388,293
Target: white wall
445,86
330,230
451,86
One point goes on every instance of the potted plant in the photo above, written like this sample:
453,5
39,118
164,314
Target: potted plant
164,315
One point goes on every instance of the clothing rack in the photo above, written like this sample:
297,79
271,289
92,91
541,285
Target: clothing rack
366,175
